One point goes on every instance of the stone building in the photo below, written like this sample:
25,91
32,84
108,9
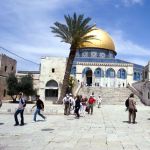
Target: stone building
7,66
143,86
94,65
51,76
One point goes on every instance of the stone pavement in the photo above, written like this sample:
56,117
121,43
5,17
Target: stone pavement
106,129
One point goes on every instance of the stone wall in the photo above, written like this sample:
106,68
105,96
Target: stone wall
7,66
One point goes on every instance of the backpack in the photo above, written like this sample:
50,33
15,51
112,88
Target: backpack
42,104
127,103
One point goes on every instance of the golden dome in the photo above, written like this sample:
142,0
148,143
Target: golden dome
102,40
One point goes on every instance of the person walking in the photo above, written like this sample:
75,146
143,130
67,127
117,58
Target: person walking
72,103
20,110
83,101
132,108
77,106
91,102
0,103
66,102
39,106
99,101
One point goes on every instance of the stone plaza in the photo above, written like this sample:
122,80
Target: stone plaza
106,129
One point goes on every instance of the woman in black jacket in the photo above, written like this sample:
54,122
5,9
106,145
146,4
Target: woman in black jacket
77,106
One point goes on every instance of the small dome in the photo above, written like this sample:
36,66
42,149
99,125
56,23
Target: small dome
102,40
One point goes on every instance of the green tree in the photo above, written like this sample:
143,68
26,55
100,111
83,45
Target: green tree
26,85
74,32
12,86
71,84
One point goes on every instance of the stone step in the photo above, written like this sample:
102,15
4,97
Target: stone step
109,95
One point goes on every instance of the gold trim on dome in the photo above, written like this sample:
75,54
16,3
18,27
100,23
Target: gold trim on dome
101,40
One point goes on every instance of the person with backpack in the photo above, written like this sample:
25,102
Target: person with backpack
127,104
66,102
132,108
91,102
39,106
20,110
72,103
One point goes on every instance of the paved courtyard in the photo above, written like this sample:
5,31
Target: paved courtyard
106,129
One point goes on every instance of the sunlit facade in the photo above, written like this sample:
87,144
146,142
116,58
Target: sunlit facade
94,65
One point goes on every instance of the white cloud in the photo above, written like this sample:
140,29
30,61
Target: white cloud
129,50
132,2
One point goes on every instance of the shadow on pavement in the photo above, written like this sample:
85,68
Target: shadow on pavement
1,123
47,129
125,121
71,119
40,121
148,119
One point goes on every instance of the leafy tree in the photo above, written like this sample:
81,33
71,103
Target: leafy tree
26,85
74,32
12,86
71,84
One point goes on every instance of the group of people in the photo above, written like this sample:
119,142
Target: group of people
20,110
80,105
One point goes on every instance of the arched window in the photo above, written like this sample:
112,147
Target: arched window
122,74
110,73
51,89
99,72
52,83
137,76
73,70
85,70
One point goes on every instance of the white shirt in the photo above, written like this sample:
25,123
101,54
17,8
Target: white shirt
99,100
72,101
21,102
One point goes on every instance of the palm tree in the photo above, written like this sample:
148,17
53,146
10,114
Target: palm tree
75,33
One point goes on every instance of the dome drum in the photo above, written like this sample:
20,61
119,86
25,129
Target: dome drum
95,53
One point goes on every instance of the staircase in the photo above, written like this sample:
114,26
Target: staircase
110,96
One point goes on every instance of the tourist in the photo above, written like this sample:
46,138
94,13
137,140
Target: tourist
20,110
72,103
132,108
77,106
66,102
0,103
99,101
91,102
83,101
39,106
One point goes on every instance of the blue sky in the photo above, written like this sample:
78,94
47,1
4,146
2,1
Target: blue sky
24,27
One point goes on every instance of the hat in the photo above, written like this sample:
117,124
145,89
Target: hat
70,94
91,95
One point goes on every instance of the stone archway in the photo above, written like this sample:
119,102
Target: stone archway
51,89
89,77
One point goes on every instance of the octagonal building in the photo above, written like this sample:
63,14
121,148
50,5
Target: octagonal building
94,65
